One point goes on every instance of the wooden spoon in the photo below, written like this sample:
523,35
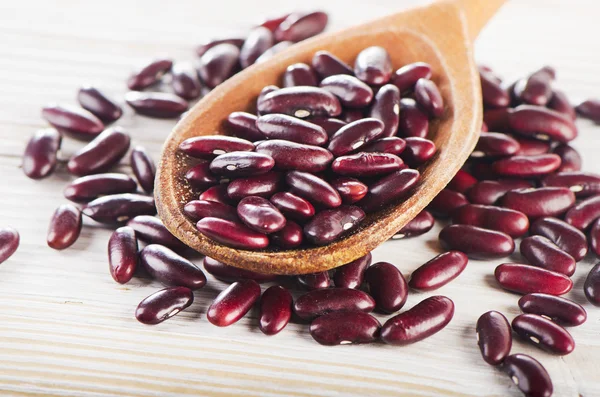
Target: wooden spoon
440,34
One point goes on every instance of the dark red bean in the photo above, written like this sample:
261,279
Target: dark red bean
74,120
513,223
354,135
156,104
483,170
536,89
351,275
216,193
583,184
118,208
389,189
39,159
143,168
313,188
391,145
214,145
428,96
565,236
315,280
299,26
386,107
489,192
232,234
149,73
88,188
9,242
275,310
100,154
322,301
560,310
421,321
493,95
525,279
477,242
276,49
387,286
542,252
407,76
326,64
414,122
299,74
344,328
301,102
497,119
200,175
350,91
351,115
233,303
421,224
243,125
540,202
241,164
584,214
571,159
185,81
218,63
258,41
544,333
228,273
439,271
495,144
95,101
527,166
560,103
293,206
295,156
494,337
291,236
418,151
264,92
591,288
261,185
529,375
163,305
373,66
330,125
446,203
65,227
171,269
330,225
531,147
589,109
367,164
198,209
202,48
351,190
122,254
462,182
151,230
542,123
594,237
282,126
259,214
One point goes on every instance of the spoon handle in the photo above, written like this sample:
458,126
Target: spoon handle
477,13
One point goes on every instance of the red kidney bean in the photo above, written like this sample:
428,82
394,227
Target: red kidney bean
39,159
216,193
88,188
95,101
228,273
386,107
439,271
117,208
202,48
326,64
143,168
314,280
367,164
495,144
74,120
428,96
352,115
275,310
351,91
232,234
391,145
542,123
185,81
462,182
446,203
527,166
565,236
261,185
323,301
351,275
571,159
560,103
483,170
387,286
259,214
313,188
122,254
591,288
540,202
151,230
100,154
351,190
156,104
594,237
389,189
497,119
241,164
407,76
525,279
418,151
299,74
301,102
494,337
560,310
258,41
536,89
584,214
494,96
354,135
583,184
295,156
544,333
421,321
198,209
542,252
218,63
589,109
344,328
513,223
299,26
9,242
373,66
276,49
149,73
330,125
65,227
330,225
282,126
233,303
421,224
200,175
171,269
528,374
531,147
414,122
163,305
214,145
243,125
477,242
293,206
291,236
489,192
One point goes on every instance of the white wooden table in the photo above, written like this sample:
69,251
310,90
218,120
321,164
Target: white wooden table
66,329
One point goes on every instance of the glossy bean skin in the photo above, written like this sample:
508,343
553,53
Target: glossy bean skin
513,223
293,206
570,158
198,209
493,95
594,237
373,66
185,81
560,103
351,91
161,105
535,89
314,280
560,310
421,224
418,151
497,119
446,203
291,236
264,185
9,242
540,251
526,279
232,234
387,286
354,135
171,269
39,159
301,102
589,109
322,301
299,26
527,166
584,213
330,125
489,192
477,242
275,310
439,271
591,287
224,272
544,333
407,76
259,214
200,176
351,190
462,182
365,164
259,40
95,101
163,305
428,96
386,107
76,121
233,303
299,74
218,63
540,202
243,125
419,322
101,153
391,145
528,374
88,188
216,193
202,48
313,188
494,337
208,147
583,184
326,64
143,168
330,225
242,164
295,156
117,208
151,230
565,236
343,328
65,227
542,123
389,189
351,275
282,126
122,254
149,73
495,144
531,146
413,122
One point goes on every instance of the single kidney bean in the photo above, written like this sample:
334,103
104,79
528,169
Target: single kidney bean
241,164
495,144
313,188
233,303
462,182
156,104
583,184
351,275
531,147
330,225
258,41
198,209
446,203
477,242
100,154
259,214
391,145
418,151
74,120
497,119
185,81
163,305
9,242
200,175
315,280
289,155
264,92
65,227
536,89
282,126
293,206
571,159
299,26
560,103
483,170
228,273
565,236
493,95
591,288
542,123
421,321
528,374
143,168
584,214
513,223
494,337
428,96
421,224
264,185
151,230
387,286
525,279
88,188
345,328
373,66
299,74
560,310
301,102
117,208
275,309
39,159
527,166
414,122
330,124
540,202
149,73
322,301
276,49
544,333
386,107
291,236
95,101
122,254
171,269
489,192
407,76
216,193
326,64
232,234
354,135
439,271
351,91
595,237
218,63
367,164
202,48
541,252
243,125
208,147
589,109
389,189
351,190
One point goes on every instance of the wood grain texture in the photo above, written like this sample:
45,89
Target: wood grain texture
66,329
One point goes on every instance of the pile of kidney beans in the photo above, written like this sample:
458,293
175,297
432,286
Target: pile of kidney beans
368,125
